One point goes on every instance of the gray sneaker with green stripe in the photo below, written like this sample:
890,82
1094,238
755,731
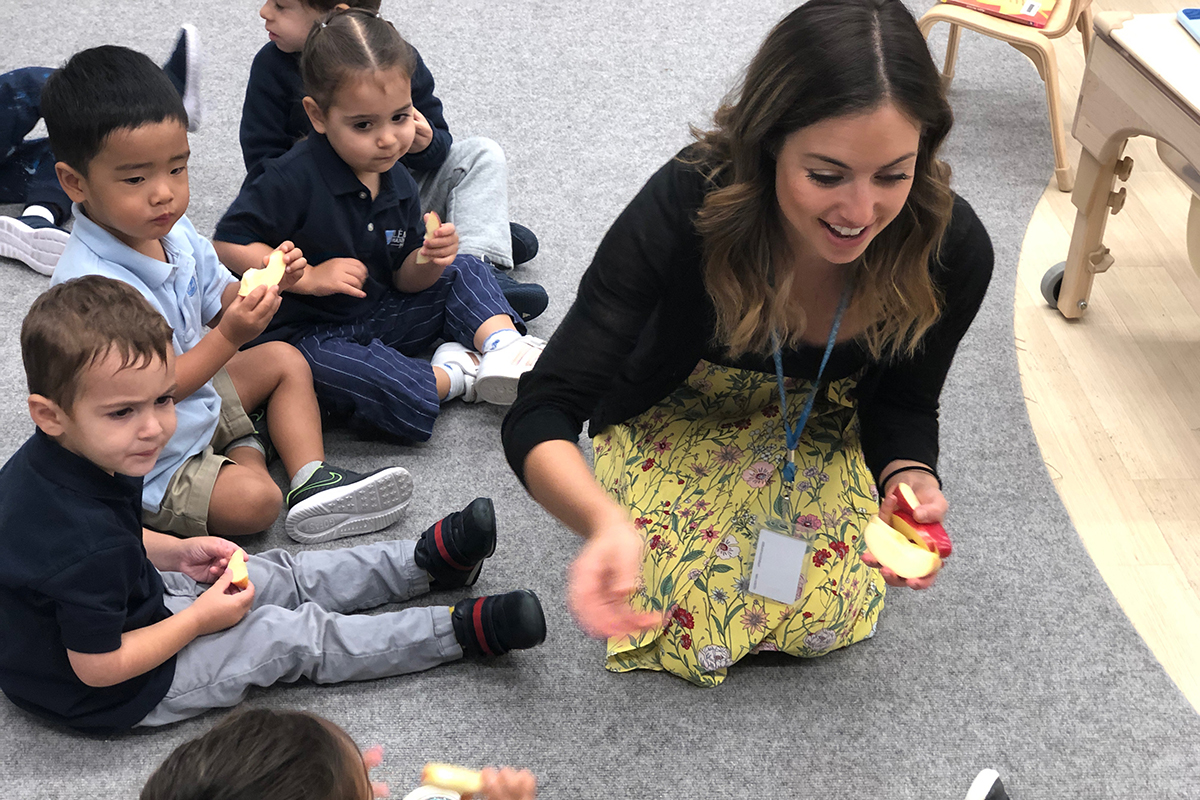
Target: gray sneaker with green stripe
336,502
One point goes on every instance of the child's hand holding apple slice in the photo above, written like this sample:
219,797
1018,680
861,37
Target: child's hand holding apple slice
441,242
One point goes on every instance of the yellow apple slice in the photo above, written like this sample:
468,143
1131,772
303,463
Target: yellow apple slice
270,275
896,552
237,570
432,223
456,779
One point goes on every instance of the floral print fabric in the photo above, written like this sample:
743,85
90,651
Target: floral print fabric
701,475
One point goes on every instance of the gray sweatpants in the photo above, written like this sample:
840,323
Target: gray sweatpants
298,627
470,189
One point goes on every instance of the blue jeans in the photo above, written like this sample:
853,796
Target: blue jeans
27,167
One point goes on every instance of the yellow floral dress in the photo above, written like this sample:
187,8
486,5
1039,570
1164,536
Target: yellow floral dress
700,472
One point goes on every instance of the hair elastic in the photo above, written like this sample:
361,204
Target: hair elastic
917,467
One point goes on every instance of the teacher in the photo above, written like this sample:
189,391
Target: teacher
788,290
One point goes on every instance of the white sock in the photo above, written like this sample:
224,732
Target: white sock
458,380
247,441
38,211
304,474
500,338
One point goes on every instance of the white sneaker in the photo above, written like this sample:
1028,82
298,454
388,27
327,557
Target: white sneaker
33,241
466,359
184,64
987,786
501,369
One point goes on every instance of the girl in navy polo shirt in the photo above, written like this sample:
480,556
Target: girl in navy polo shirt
380,288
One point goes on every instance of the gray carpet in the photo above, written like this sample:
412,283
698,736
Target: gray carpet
1018,659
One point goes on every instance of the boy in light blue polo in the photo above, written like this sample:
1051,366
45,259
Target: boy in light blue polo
119,130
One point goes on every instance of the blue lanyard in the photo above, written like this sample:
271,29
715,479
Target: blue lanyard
793,434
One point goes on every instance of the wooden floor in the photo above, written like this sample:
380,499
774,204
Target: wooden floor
1115,397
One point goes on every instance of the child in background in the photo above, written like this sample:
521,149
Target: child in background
109,626
119,129
368,304
260,754
36,238
465,181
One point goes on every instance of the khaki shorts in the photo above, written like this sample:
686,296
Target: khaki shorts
184,509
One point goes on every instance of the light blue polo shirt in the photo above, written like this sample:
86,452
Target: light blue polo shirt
187,291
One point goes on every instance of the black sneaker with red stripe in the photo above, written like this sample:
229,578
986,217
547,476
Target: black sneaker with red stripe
496,624
452,550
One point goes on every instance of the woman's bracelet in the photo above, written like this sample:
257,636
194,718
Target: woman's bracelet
918,467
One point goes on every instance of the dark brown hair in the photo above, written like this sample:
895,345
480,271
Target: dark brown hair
262,754
330,5
828,58
345,43
77,323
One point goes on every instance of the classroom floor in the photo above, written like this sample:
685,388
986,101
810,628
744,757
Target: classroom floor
1114,398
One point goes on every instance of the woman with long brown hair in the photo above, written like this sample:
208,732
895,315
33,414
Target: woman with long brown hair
761,341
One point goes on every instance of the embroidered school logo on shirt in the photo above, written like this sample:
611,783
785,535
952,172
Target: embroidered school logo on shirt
396,238
192,286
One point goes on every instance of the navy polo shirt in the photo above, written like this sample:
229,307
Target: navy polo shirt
273,117
312,197
73,576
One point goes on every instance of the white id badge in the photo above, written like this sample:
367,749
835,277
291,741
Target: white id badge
778,566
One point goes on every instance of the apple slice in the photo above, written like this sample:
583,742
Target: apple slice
270,275
898,553
930,534
237,569
456,779
432,223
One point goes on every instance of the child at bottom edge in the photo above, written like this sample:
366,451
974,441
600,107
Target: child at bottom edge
260,754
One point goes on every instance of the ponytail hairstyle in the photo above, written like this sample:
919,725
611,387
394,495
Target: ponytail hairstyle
828,58
345,43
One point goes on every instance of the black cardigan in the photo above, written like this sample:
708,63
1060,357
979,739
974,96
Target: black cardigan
642,319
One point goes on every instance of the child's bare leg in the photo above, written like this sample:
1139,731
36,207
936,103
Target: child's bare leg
245,499
276,373
324,502
499,322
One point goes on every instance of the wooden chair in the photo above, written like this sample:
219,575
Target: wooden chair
1035,43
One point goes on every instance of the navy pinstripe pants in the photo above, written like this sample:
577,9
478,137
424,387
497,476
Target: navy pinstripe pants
366,369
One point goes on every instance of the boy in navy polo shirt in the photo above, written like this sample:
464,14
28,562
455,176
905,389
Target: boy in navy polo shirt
466,176
119,130
106,625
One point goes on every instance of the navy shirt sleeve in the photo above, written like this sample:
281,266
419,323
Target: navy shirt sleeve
425,101
92,598
74,576
269,209
273,117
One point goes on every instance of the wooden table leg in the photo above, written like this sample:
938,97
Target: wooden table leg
1093,197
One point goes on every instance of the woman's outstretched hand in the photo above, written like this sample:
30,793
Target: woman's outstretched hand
932,509
601,581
